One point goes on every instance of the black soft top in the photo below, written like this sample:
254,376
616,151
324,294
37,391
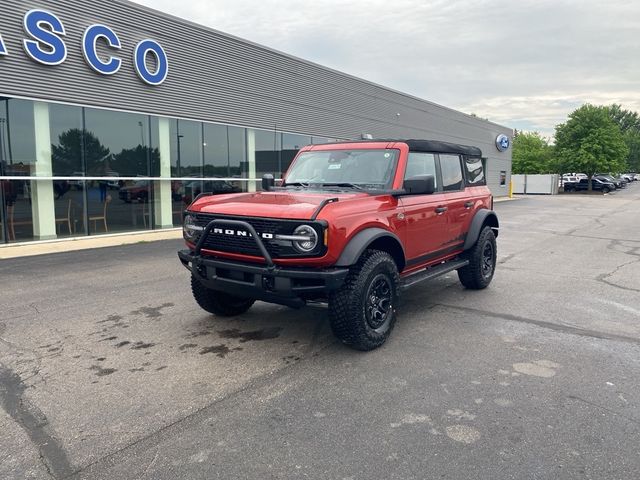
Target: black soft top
435,146
431,146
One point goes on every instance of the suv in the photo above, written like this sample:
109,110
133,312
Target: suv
352,224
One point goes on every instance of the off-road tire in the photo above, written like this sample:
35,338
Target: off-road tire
218,303
478,274
355,310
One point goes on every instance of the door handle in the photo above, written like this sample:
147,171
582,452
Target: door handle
468,204
440,210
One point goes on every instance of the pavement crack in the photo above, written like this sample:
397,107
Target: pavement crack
558,327
593,404
34,423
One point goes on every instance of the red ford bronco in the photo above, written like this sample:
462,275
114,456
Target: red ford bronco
351,224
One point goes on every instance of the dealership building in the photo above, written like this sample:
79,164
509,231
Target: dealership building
114,116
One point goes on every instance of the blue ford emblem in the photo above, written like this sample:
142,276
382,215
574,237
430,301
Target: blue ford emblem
502,142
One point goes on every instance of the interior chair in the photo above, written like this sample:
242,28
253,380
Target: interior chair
66,220
96,218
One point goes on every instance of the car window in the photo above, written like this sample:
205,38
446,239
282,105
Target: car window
451,172
419,163
474,171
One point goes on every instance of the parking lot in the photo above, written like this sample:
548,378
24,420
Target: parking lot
108,369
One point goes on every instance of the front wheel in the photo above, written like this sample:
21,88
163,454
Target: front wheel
218,303
605,190
363,312
482,261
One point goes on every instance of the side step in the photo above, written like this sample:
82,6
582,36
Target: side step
431,272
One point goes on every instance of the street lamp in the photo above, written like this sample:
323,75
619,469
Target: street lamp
141,134
2,122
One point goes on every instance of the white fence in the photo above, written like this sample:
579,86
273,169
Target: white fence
535,184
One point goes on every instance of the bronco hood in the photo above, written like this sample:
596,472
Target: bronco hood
290,205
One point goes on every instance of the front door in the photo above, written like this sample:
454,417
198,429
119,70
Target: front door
425,215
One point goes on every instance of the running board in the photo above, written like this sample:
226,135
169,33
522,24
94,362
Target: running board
432,272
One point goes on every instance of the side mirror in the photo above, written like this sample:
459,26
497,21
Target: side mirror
267,182
420,185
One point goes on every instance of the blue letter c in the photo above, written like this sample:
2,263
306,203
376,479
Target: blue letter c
89,44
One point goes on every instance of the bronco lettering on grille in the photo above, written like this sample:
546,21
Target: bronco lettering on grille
240,233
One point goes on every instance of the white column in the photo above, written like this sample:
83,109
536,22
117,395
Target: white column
42,202
162,198
251,158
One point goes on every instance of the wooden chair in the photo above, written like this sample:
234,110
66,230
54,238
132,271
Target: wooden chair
12,223
103,217
67,219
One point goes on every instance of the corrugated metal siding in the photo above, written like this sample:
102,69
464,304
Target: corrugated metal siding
219,78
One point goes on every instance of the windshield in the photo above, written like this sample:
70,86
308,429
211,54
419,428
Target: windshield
364,169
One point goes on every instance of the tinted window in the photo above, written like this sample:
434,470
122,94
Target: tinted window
451,172
421,164
475,172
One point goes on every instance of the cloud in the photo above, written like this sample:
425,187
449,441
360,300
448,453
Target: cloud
524,64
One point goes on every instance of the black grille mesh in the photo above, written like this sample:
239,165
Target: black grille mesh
247,245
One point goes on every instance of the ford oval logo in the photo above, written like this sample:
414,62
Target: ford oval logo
502,142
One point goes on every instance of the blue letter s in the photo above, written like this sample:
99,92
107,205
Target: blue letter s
89,41
3,49
43,26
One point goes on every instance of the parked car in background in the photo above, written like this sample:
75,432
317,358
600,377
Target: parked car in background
596,185
618,182
628,177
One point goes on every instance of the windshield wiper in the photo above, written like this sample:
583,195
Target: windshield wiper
297,184
342,184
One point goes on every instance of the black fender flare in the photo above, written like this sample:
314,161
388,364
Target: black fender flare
361,241
482,217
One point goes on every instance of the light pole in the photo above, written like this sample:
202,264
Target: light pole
141,134
2,122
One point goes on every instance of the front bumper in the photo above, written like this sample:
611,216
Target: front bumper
274,284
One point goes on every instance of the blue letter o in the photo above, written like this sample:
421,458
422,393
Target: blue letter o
140,55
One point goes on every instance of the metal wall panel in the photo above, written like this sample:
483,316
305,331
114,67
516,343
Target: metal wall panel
220,78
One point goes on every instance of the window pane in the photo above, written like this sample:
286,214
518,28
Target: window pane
421,164
116,143
216,151
186,148
238,152
451,172
65,124
17,137
475,172
267,153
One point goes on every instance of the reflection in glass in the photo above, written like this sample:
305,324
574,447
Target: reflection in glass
16,202
290,146
17,137
268,158
238,166
186,148
65,124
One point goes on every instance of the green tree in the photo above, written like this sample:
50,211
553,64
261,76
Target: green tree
629,123
531,153
68,153
591,142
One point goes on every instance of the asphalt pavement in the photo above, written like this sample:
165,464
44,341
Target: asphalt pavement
108,369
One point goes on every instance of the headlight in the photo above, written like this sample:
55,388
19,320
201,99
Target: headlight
189,228
308,239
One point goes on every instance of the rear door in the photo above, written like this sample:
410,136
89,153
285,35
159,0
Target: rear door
457,202
425,219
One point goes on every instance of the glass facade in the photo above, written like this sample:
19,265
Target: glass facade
70,171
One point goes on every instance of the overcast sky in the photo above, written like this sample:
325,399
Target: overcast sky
522,63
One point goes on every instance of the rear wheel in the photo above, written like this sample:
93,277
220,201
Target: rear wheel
605,190
218,303
363,312
482,261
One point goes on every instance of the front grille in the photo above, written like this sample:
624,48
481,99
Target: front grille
247,245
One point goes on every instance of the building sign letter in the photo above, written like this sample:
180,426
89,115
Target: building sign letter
144,48
3,49
44,28
89,47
